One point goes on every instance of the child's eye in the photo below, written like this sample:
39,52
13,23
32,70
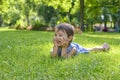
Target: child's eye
60,35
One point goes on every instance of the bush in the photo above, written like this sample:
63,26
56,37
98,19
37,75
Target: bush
75,22
37,25
53,22
20,25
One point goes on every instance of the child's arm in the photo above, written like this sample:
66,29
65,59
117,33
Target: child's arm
63,52
54,52
71,54
64,49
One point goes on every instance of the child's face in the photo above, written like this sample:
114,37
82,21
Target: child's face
60,37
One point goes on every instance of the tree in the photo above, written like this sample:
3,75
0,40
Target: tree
83,11
72,5
82,14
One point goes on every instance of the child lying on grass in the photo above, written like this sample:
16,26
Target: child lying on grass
63,45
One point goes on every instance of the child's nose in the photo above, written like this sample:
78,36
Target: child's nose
60,38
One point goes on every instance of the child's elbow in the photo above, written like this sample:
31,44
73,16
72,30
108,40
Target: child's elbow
52,54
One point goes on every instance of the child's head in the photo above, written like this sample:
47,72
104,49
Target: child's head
64,31
66,28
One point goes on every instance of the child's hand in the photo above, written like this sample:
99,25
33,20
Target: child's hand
65,43
54,41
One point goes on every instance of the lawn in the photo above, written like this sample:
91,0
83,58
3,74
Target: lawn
25,55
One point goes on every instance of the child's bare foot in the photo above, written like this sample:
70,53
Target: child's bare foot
106,47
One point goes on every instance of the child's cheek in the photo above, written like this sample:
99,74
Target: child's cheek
65,38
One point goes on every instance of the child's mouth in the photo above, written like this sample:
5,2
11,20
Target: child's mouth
58,42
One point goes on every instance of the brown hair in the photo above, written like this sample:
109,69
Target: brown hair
68,28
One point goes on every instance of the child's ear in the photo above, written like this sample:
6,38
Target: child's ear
70,38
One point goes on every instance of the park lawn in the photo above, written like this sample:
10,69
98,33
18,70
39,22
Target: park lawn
25,55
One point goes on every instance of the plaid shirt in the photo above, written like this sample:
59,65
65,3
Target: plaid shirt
79,49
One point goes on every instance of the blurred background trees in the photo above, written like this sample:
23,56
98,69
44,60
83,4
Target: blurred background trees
47,13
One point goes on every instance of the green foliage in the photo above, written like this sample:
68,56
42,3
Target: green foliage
46,11
75,22
25,55
0,19
53,21
63,10
38,25
20,25
64,5
11,17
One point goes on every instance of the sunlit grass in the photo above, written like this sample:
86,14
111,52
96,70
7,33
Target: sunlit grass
25,55
103,35
6,29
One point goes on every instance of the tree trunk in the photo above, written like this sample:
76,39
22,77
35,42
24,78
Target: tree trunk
82,14
0,20
105,20
68,14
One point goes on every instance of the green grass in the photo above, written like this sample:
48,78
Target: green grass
25,55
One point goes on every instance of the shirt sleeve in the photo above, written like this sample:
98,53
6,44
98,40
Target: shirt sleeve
81,49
